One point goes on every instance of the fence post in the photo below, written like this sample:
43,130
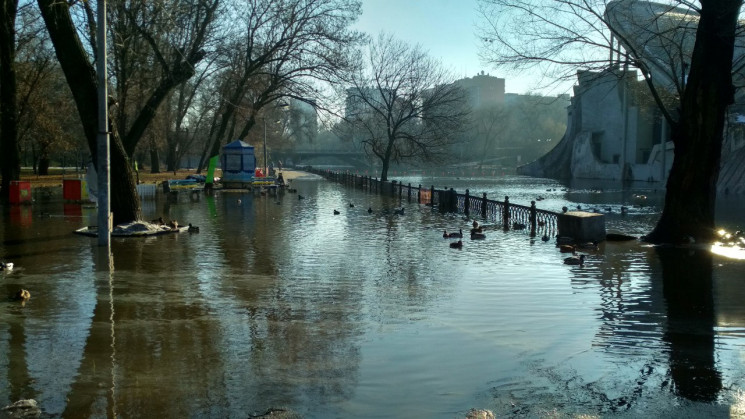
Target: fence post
432,195
419,194
466,204
532,219
483,206
452,200
400,190
409,197
506,213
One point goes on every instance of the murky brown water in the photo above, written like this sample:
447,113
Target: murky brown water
366,315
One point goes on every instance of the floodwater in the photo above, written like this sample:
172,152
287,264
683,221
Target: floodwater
277,302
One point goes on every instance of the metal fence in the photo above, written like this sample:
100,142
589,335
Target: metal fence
510,216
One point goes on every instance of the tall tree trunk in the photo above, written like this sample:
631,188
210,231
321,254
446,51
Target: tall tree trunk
43,169
10,154
154,160
385,160
171,160
690,198
81,76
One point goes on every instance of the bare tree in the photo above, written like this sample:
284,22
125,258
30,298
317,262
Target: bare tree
488,129
44,101
691,86
174,54
404,104
281,49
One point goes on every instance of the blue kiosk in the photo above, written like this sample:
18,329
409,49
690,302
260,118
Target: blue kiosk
238,165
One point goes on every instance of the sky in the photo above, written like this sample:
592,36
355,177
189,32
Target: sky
444,28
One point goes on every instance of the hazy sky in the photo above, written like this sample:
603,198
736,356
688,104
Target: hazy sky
445,28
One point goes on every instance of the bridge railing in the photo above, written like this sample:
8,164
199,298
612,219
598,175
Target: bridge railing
510,216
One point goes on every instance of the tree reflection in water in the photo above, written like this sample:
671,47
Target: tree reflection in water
688,292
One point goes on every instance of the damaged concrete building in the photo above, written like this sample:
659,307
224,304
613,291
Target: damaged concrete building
615,128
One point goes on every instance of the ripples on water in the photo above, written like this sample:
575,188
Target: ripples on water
364,315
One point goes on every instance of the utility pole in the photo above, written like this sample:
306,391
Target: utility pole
102,149
265,165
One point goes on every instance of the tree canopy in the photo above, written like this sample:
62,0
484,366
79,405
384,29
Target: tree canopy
190,70
684,52
402,104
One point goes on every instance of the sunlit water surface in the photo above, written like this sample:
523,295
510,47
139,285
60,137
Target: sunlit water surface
279,302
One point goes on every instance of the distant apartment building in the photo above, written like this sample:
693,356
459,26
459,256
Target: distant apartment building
303,123
483,90
356,103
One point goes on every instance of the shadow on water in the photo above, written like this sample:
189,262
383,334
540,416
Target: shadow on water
688,293
95,380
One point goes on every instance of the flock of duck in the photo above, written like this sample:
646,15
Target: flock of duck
477,233
396,211
577,259
173,224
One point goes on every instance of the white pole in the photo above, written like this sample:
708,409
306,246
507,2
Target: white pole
102,150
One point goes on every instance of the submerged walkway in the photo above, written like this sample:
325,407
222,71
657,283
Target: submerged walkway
510,216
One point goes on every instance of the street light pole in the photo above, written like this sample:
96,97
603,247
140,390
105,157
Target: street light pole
102,141
265,172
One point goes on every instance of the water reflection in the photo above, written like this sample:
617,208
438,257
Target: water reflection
688,291
279,302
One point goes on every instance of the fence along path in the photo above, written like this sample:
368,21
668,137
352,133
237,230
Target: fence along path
510,216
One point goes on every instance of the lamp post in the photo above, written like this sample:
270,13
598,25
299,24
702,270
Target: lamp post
103,150
265,166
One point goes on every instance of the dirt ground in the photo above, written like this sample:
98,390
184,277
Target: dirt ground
55,177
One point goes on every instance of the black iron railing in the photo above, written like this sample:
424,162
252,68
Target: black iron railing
510,216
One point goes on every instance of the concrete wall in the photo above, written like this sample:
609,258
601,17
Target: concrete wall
584,163
609,136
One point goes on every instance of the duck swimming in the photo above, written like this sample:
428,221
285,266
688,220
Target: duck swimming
566,248
193,228
575,260
6,266
457,245
457,235
477,236
336,212
22,295
588,246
